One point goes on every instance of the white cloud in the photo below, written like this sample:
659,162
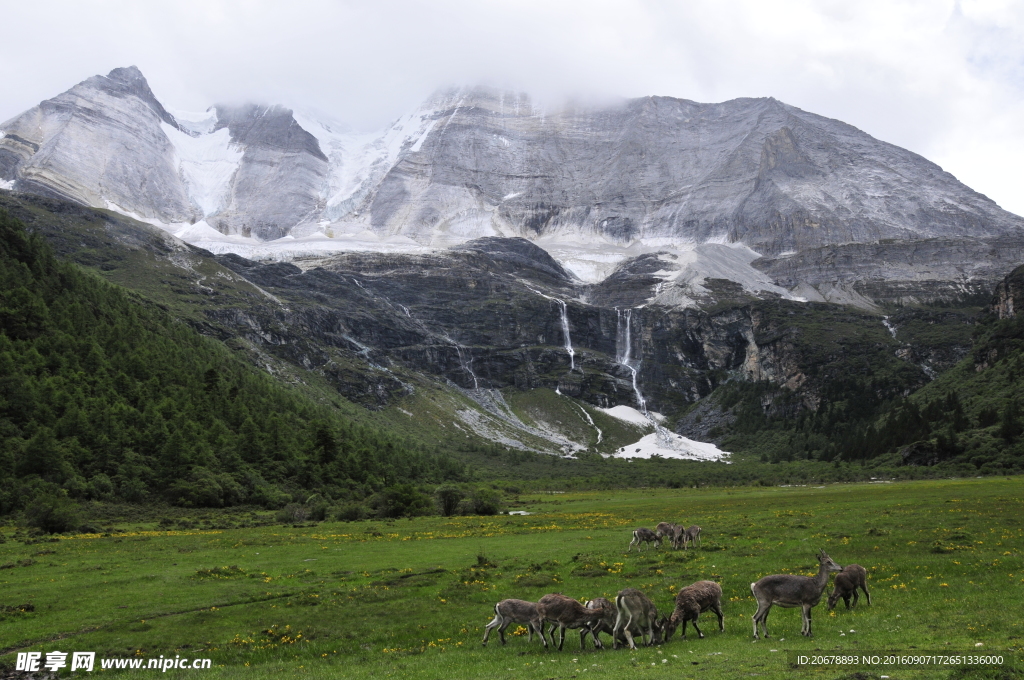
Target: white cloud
943,79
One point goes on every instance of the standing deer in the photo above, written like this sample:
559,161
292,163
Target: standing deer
508,612
691,534
641,536
847,581
636,612
792,590
568,613
690,602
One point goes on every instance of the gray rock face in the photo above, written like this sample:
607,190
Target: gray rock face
682,197
99,143
660,169
279,180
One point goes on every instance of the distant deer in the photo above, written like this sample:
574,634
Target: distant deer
847,581
641,536
792,590
508,612
568,613
666,530
636,611
690,602
691,534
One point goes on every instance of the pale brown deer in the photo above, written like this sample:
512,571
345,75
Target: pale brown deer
565,612
792,590
636,611
508,612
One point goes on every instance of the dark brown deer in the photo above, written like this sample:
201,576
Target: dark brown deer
847,581
566,612
641,536
792,590
508,612
636,612
690,602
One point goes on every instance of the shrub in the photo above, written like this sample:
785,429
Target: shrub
447,498
401,500
53,514
292,513
351,512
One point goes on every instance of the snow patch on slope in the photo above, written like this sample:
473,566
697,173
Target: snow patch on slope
680,448
207,163
358,161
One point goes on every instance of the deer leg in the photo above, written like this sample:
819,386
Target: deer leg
856,596
540,630
864,587
721,617
807,620
493,624
699,634
761,616
561,635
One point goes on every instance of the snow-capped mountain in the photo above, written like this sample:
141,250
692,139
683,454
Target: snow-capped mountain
695,191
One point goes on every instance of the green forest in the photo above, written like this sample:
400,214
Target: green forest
106,397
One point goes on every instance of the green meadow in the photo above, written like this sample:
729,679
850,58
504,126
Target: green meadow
410,598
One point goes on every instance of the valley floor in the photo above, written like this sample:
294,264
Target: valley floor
410,598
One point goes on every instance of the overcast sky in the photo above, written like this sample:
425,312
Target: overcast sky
942,78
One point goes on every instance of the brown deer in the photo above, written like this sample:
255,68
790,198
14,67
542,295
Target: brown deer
792,590
636,612
641,536
690,602
568,613
508,612
846,583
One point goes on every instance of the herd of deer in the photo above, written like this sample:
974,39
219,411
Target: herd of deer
634,614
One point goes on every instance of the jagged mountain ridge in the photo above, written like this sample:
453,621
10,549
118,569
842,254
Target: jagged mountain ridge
711,187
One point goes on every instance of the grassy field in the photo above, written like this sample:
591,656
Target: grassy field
410,598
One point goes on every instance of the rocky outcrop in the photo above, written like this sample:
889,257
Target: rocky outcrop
278,183
100,144
1009,295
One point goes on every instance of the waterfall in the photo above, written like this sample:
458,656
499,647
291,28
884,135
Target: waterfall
467,366
565,332
564,316
889,326
624,351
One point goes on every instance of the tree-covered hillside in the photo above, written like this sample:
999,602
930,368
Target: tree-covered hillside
105,396
968,419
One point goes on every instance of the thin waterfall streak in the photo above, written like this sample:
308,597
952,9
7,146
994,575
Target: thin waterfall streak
565,333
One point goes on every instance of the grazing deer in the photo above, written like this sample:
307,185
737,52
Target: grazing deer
641,536
666,529
636,612
568,613
792,590
690,602
508,612
691,534
847,581
607,622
